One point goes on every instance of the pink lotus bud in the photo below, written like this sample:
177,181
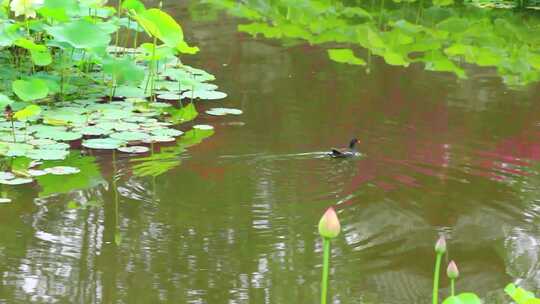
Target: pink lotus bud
452,270
440,246
329,226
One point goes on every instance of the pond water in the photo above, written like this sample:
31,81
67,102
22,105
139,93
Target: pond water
234,220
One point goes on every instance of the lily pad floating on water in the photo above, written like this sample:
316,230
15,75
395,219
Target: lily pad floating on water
103,143
5,200
169,96
159,138
59,135
44,154
34,172
134,149
62,170
16,181
7,175
130,136
203,127
208,95
94,131
166,132
224,111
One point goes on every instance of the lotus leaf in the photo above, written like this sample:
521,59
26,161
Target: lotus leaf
209,95
34,172
155,138
62,170
29,90
166,132
28,112
130,136
16,181
47,154
103,143
7,175
203,127
134,149
345,56
81,33
94,131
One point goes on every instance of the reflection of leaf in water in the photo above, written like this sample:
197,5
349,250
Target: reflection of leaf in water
89,176
169,157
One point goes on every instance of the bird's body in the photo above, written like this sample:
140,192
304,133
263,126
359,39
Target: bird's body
347,152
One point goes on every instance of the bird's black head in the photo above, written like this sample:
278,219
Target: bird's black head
353,142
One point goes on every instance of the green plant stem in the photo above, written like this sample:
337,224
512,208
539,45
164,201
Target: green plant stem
118,15
452,290
326,266
436,279
13,131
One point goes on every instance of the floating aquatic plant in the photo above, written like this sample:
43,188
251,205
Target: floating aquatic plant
60,67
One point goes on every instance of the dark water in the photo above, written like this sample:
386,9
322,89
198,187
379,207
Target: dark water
235,222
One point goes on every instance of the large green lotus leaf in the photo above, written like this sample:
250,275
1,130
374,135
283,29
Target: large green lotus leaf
134,5
345,56
59,10
39,53
123,70
161,52
185,114
29,90
161,25
88,177
80,34
129,136
103,143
